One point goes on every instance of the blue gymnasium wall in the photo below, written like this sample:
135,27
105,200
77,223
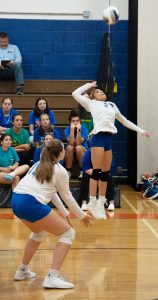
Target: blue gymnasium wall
66,49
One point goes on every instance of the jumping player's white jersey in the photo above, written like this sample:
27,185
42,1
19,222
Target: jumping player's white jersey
47,192
104,113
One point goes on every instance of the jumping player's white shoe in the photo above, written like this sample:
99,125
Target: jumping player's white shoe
100,209
91,205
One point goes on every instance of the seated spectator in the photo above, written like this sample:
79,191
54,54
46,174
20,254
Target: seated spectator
44,128
10,63
76,136
41,107
9,163
47,138
87,171
20,139
6,114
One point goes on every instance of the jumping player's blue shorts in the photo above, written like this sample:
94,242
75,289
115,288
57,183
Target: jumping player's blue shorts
26,207
101,139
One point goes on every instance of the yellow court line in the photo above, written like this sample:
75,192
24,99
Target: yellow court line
155,233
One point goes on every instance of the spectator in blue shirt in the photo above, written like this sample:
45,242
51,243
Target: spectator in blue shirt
47,138
6,114
10,62
76,136
44,128
41,107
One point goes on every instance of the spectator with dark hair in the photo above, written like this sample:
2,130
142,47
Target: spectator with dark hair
20,139
6,114
76,136
44,128
41,107
9,163
10,62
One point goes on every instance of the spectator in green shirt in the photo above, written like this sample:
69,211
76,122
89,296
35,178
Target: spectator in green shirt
20,139
9,163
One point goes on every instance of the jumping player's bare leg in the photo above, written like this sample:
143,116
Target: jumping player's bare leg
97,156
101,159
106,165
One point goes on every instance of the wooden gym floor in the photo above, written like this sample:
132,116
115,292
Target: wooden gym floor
114,259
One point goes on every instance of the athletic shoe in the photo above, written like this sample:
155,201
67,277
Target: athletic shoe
100,209
80,176
97,213
56,282
111,207
91,206
24,274
84,206
8,177
19,90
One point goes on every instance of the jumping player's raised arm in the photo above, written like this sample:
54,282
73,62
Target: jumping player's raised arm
77,95
125,122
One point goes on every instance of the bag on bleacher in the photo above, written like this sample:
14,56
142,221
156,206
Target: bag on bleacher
5,196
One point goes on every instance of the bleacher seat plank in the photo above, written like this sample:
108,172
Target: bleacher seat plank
54,101
43,86
61,116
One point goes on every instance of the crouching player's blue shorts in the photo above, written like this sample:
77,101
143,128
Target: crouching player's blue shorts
26,207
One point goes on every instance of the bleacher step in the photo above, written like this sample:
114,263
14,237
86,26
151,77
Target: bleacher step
43,86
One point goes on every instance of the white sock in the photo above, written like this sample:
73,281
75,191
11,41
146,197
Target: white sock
92,198
102,199
24,267
53,272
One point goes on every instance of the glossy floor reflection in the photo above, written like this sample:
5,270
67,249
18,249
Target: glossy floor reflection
114,259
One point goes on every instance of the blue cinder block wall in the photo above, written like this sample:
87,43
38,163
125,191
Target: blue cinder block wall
70,49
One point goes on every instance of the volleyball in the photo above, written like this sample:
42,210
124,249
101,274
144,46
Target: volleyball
111,15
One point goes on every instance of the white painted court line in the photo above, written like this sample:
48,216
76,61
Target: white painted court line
155,233
152,201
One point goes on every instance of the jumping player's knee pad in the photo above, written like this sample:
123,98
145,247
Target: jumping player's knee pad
67,237
95,174
104,176
38,237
